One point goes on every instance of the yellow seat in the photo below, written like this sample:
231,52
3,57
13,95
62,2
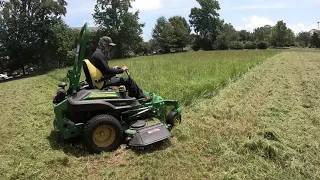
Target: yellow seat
94,73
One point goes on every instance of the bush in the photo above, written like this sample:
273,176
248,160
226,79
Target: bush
262,45
250,45
223,46
236,45
195,47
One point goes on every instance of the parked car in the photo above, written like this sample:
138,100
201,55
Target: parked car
3,77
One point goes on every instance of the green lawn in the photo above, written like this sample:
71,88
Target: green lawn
263,126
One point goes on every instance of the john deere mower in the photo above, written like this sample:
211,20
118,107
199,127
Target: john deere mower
105,117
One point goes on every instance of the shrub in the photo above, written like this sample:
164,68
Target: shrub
236,45
195,47
250,45
223,46
262,45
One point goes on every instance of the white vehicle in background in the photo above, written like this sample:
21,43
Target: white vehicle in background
3,77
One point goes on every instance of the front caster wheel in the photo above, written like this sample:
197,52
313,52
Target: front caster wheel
173,118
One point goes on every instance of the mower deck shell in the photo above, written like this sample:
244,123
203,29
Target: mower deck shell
149,135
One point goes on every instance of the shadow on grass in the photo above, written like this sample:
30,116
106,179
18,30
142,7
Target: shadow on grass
72,147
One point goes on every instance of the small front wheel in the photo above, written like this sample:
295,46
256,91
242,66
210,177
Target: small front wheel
103,133
173,118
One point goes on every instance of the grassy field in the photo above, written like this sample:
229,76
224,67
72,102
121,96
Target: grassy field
263,126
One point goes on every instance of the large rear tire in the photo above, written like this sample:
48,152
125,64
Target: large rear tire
103,133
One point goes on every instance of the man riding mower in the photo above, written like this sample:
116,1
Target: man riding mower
99,60
103,116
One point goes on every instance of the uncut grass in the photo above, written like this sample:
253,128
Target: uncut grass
187,76
200,150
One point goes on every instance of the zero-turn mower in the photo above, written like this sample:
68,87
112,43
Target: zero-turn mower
105,117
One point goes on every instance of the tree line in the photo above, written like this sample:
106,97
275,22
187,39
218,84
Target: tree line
33,33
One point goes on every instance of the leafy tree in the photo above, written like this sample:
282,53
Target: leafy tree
227,34
154,45
262,33
121,25
163,34
315,41
198,43
290,38
181,31
26,29
245,36
278,35
61,43
144,49
303,39
206,22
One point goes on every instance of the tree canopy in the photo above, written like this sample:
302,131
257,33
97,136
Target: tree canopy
206,22
303,39
115,20
33,33
172,33
29,30
315,40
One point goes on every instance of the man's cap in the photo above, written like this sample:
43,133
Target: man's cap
108,40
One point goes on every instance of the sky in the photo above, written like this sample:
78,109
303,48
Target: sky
242,14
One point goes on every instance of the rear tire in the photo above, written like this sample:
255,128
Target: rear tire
102,133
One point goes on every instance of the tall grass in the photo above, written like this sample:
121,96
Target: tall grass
187,76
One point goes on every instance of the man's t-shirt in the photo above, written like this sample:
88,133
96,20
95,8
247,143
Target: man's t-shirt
99,60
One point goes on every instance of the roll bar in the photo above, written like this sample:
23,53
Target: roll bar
74,74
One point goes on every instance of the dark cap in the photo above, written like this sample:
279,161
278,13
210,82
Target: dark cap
108,40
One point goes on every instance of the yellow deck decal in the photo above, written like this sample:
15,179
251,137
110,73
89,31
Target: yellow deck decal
102,95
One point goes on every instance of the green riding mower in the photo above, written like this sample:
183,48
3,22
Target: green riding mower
105,117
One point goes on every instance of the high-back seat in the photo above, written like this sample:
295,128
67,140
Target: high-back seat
92,74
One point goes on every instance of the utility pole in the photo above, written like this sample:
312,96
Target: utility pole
318,26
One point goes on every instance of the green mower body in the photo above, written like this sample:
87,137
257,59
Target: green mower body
106,118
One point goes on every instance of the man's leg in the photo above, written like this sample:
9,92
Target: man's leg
132,87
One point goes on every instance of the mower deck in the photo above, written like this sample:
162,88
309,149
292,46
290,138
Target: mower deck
149,135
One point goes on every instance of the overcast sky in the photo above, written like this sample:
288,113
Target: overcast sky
242,14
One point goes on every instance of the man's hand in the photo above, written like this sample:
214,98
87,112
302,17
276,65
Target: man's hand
124,68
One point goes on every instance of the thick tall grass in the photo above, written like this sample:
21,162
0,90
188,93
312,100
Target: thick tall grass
186,76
